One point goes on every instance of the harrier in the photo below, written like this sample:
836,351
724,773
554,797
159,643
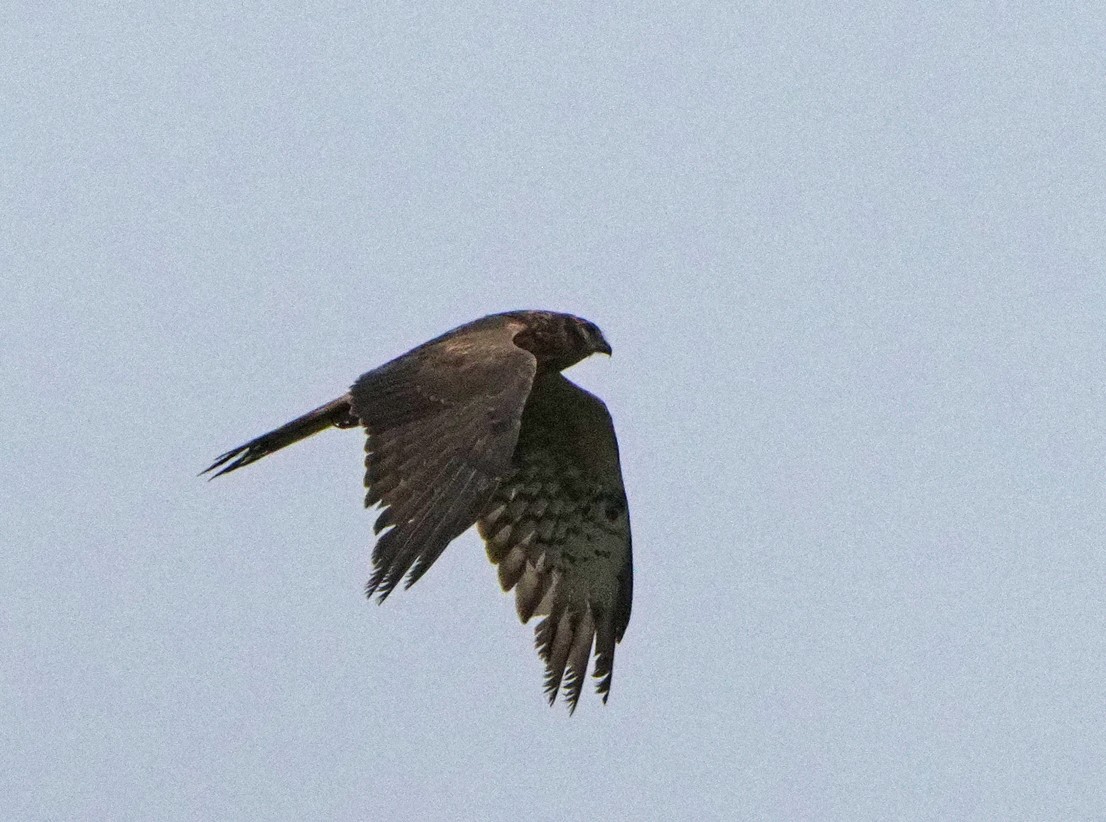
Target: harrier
479,426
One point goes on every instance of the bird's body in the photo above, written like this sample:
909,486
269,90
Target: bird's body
478,426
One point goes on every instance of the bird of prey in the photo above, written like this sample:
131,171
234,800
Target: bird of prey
479,426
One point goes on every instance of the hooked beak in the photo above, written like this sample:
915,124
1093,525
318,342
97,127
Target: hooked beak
602,346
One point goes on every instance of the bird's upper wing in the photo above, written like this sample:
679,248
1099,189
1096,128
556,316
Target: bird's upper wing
559,530
442,423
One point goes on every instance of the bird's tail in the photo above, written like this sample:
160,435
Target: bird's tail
337,414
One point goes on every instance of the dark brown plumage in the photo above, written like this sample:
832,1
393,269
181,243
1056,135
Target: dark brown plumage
479,426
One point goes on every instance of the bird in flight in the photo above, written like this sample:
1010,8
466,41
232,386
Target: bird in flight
479,426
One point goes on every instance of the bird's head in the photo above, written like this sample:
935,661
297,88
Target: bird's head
560,340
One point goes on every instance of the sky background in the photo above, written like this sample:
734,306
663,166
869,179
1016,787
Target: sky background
852,261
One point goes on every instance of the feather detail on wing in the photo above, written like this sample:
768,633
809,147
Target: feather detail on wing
442,424
558,528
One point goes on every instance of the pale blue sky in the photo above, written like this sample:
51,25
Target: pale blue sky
852,261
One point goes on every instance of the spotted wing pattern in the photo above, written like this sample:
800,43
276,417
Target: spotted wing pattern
558,528
442,423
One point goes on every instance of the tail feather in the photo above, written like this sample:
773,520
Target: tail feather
336,414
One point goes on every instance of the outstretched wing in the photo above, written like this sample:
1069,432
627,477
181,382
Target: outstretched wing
559,530
442,423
